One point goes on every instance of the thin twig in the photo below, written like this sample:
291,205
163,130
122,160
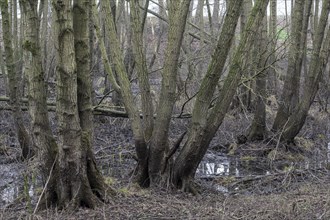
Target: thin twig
45,187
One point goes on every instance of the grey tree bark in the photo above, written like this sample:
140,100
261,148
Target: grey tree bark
77,179
319,59
43,139
258,126
272,76
290,92
159,146
203,128
14,82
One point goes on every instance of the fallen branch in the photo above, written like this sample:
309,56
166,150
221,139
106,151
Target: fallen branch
97,110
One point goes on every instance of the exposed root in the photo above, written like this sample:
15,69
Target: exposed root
141,173
189,186
86,190
97,182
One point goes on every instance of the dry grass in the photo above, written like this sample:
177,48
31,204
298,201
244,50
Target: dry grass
290,196
294,194
302,198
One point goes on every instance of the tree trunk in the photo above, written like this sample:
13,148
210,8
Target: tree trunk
15,27
290,92
316,13
93,53
272,76
245,93
178,11
43,139
258,127
142,70
303,46
3,69
162,29
124,88
84,92
215,16
202,130
199,20
316,69
78,181
14,83
44,33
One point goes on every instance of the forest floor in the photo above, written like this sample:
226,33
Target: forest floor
292,183
311,200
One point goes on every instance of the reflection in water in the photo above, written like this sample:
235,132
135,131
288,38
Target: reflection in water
222,165
215,168
13,183
214,164
9,194
318,162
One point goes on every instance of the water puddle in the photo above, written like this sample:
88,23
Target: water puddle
12,183
212,165
216,165
208,168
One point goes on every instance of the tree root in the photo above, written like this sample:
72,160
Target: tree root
188,185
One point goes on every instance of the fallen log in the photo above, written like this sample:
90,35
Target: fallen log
97,110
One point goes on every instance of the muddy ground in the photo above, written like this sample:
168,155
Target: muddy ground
309,201
290,184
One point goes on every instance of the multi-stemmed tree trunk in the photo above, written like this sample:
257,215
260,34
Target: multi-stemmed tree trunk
290,92
153,159
184,166
153,165
72,181
14,82
319,59
122,85
159,145
150,160
205,121
78,180
69,166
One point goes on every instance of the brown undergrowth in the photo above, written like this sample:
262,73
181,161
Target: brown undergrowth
307,198
287,192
